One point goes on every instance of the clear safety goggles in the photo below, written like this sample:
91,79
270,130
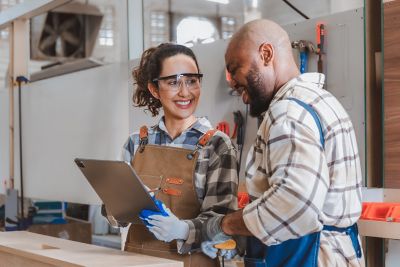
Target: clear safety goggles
174,82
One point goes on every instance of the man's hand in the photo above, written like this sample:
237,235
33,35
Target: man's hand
165,225
219,229
233,224
212,230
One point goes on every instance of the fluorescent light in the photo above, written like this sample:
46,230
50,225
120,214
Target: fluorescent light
220,1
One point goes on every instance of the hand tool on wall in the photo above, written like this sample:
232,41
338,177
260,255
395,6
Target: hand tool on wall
223,126
239,132
304,47
320,45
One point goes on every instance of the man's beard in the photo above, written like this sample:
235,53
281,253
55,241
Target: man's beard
259,101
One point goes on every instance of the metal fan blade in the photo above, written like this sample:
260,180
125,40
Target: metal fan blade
48,29
48,41
70,38
71,23
55,20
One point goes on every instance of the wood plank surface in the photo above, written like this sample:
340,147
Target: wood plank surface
392,93
373,94
19,247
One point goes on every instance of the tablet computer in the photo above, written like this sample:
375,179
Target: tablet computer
118,186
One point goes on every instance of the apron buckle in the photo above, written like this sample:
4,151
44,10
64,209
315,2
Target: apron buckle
142,143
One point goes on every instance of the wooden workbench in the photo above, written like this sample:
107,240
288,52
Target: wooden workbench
22,248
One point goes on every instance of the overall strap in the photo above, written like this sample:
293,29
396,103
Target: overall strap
206,137
202,142
351,231
315,116
144,133
143,137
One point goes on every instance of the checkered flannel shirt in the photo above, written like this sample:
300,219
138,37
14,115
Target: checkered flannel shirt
296,186
216,178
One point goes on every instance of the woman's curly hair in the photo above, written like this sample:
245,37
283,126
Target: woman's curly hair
150,69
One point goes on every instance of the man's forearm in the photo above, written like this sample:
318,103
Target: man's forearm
233,224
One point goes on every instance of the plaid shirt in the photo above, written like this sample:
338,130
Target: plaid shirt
216,178
296,186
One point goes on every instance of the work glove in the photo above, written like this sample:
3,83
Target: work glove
164,225
212,231
208,248
145,214
213,234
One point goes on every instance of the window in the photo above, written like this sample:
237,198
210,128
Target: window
228,27
158,27
106,33
205,32
4,4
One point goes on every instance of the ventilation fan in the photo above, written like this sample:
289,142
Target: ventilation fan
67,32
63,36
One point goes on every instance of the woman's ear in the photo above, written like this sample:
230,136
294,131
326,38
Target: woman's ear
153,90
266,51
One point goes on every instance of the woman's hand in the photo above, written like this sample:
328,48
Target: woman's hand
165,225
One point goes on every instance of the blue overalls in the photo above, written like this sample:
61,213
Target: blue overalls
300,252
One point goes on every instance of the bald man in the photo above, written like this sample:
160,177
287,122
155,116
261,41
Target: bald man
303,171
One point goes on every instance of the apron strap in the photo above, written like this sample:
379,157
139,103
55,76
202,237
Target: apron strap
143,137
144,133
315,116
202,142
351,231
206,137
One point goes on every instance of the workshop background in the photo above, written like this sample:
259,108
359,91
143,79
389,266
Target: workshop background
66,87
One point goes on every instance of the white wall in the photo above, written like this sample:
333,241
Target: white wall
83,114
280,12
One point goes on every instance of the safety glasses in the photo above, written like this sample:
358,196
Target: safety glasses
174,82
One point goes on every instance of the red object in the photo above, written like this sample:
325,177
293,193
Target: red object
243,199
234,131
223,126
206,137
381,211
320,38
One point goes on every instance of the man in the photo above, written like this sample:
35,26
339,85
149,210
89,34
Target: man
303,171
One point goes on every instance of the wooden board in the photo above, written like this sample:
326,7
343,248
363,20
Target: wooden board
22,248
392,94
373,94
380,229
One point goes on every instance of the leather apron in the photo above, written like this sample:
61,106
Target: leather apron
171,170
300,252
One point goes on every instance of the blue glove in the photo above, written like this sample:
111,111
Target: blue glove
144,214
212,232
165,225
208,248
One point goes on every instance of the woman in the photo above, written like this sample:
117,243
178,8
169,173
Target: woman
192,167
